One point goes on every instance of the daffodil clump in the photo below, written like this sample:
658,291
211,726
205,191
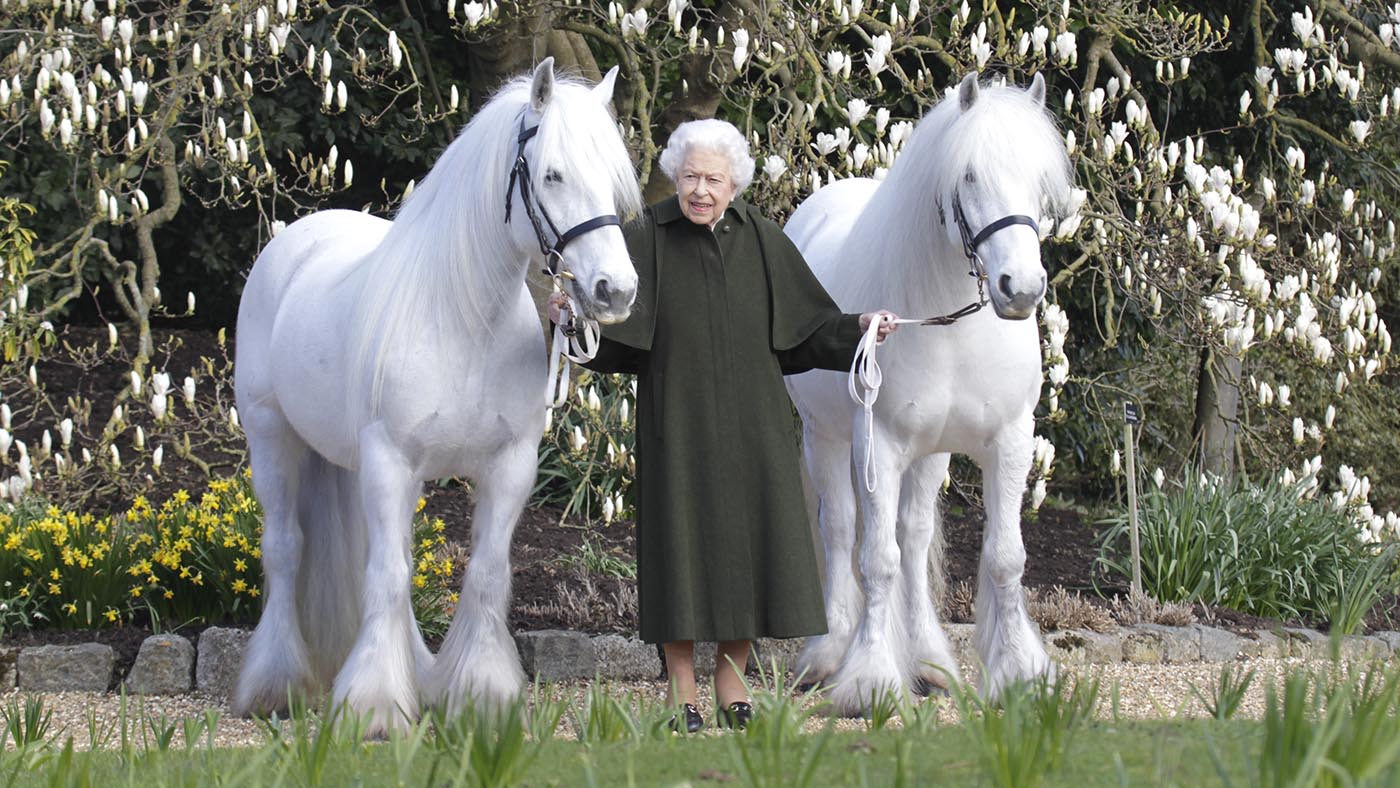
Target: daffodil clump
180,562
434,601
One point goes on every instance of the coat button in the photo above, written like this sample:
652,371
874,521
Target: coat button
725,228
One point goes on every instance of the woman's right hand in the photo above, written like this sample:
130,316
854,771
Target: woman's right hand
557,303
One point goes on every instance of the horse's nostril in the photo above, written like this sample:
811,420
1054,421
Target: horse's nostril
1004,283
602,292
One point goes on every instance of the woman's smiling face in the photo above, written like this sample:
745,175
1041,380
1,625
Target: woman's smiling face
704,185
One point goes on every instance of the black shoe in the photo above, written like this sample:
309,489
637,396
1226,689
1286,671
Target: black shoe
693,721
735,715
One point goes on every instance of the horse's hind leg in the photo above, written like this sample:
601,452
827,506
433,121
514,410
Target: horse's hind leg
275,664
478,660
1008,642
829,466
921,555
379,680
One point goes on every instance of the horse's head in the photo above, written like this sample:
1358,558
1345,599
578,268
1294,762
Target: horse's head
1013,162
573,183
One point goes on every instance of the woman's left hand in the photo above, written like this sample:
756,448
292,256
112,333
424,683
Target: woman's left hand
887,324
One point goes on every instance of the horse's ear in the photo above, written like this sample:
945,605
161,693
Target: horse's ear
542,86
604,89
967,92
1037,89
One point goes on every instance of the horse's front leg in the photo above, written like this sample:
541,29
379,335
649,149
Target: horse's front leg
875,663
478,660
275,663
1008,642
921,553
829,467
379,680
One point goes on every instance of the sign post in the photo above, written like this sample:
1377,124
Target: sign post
1132,416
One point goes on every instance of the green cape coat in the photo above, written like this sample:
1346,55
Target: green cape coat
724,547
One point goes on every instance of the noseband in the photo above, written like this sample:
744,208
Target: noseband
553,255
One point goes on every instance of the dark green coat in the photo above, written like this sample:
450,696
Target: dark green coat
724,548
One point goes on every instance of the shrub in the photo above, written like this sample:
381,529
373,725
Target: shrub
1269,550
586,464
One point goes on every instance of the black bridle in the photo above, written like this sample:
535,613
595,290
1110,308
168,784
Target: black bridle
553,254
970,242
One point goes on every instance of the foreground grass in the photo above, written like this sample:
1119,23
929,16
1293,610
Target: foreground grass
1330,726
1136,753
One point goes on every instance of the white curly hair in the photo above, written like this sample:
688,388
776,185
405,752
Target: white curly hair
713,135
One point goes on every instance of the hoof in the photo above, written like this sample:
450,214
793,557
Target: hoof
926,687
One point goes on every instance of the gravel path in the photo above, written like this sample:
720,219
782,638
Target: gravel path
1143,692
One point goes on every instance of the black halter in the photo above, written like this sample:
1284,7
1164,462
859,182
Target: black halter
970,243
553,255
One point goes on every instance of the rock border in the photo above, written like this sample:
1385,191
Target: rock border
173,665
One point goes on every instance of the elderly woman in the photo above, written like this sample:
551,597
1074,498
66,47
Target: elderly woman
726,306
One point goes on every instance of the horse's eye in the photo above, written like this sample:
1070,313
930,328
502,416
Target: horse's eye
970,178
553,176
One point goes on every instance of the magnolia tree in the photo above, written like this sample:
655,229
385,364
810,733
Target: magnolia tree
1226,258
153,104
1246,246
147,107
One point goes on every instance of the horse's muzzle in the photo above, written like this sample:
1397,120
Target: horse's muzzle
607,302
1011,302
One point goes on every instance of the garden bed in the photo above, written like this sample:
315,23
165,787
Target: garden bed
566,574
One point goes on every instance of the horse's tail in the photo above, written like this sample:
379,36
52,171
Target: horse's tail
332,563
937,576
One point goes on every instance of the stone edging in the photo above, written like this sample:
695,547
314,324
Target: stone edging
171,664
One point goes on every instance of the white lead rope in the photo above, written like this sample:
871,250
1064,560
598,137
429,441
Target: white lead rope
864,382
580,347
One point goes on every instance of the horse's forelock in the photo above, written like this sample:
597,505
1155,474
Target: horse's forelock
1005,138
581,134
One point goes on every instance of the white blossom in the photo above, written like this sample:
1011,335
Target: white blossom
878,54
856,111
1065,48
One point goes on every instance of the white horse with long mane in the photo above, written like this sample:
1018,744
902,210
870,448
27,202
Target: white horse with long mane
960,196
375,355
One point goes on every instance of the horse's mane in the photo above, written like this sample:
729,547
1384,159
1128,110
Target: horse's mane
1006,138
448,259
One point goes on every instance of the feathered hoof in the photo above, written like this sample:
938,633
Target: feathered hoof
376,714
1001,676
932,678
271,678
820,658
853,693
925,687
266,700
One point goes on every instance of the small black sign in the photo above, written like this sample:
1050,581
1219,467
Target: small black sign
1132,414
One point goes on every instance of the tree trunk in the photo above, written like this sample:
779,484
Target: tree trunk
1217,412
520,43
